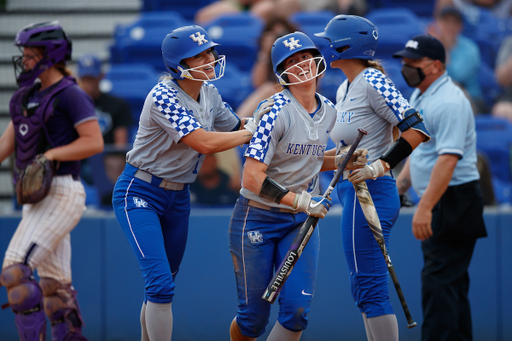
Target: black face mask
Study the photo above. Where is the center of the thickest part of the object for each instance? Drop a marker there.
(413, 75)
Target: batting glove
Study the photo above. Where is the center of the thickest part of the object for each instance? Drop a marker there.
(371, 171)
(358, 159)
(250, 125)
(263, 108)
(317, 206)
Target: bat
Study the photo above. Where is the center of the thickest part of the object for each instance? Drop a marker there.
(305, 232)
(370, 213)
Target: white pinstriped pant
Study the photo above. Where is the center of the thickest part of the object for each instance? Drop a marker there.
(48, 224)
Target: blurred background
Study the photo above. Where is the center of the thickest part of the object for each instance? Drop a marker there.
(116, 44)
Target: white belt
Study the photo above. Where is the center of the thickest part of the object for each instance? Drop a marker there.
(167, 185)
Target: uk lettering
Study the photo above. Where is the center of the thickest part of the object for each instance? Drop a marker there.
(305, 149)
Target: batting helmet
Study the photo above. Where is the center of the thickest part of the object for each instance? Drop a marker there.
(186, 42)
(359, 34)
(288, 45)
(48, 35)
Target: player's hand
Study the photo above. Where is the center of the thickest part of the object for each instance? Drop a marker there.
(250, 125)
(358, 159)
(371, 171)
(263, 108)
(317, 206)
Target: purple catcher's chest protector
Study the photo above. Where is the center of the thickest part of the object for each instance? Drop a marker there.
(29, 125)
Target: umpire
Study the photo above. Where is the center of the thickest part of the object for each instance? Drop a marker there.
(443, 171)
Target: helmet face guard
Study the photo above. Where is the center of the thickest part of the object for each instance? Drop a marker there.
(51, 38)
(186, 42)
(350, 37)
(287, 77)
(286, 46)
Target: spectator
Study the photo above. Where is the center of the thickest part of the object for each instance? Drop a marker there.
(263, 79)
(503, 73)
(113, 113)
(354, 7)
(463, 55)
(212, 186)
(499, 8)
(443, 171)
(260, 8)
(115, 119)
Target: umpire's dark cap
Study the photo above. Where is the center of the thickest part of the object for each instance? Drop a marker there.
(423, 46)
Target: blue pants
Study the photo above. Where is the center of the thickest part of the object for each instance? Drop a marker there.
(258, 241)
(155, 222)
(367, 267)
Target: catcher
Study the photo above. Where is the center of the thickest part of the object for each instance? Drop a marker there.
(53, 126)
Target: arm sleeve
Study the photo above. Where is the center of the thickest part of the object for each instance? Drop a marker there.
(175, 119)
(78, 105)
(450, 123)
(385, 99)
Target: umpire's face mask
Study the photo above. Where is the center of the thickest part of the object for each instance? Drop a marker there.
(413, 75)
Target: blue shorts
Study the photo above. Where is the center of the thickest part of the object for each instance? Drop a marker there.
(155, 222)
(258, 241)
(367, 267)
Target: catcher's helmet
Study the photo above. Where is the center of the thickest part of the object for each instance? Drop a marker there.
(359, 34)
(288, 45)
(48, 35)
(186, 42)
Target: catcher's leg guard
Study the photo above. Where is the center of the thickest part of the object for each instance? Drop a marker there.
(26, 300)
(61, 307)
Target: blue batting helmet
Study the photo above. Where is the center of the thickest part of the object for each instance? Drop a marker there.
(359, 34)
(288, 45)
(186, 42)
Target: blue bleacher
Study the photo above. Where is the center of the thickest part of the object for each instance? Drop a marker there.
(329, 83)
(187, 8)
(494, 140)
(235, 86)
(488, 83)
(422, 8)
(311, 23)
(238, 36)
(141, 41)
(393, 68)
(396, 26)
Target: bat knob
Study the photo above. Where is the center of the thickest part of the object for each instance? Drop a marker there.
(411, 325)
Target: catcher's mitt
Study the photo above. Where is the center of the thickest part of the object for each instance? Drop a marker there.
(34, 181)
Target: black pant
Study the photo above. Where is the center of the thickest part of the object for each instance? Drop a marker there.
(457, 221)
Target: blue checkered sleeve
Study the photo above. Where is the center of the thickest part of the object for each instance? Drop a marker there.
(165, 99)
(260, 142)
(385, 87)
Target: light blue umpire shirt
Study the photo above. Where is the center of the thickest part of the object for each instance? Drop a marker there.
(449, 119)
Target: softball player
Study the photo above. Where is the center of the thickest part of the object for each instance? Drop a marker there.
(280, 187)
(151, 198)
(54, 117)
(368, 99)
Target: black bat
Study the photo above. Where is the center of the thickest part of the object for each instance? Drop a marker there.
(370, 213)
(305, 231)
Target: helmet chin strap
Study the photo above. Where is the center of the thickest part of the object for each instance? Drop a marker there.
(284, 77)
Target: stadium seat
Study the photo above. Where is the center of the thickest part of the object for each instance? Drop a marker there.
(422, 8)
(329, 83)
(313, 22)
(141, 41)
(238, 36)
(490, 87)
(494, 139)
(186, 8)
(396, 26)
(393, 68)
(131, 82)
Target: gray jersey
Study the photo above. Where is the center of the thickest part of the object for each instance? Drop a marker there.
(169, 112)
(292, 144)
(373, 103)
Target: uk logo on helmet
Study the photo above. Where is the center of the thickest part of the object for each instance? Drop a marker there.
(292, 44)
(198, 38)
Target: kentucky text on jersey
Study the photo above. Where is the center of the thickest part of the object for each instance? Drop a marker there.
(344, 116)
(305, 149)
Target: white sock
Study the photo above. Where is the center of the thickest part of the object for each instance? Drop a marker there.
(381, 328)
(159, 321)
(144, 330)
(279, 333)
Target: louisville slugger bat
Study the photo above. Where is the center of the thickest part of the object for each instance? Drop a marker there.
(305, 231)
(370, 213)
